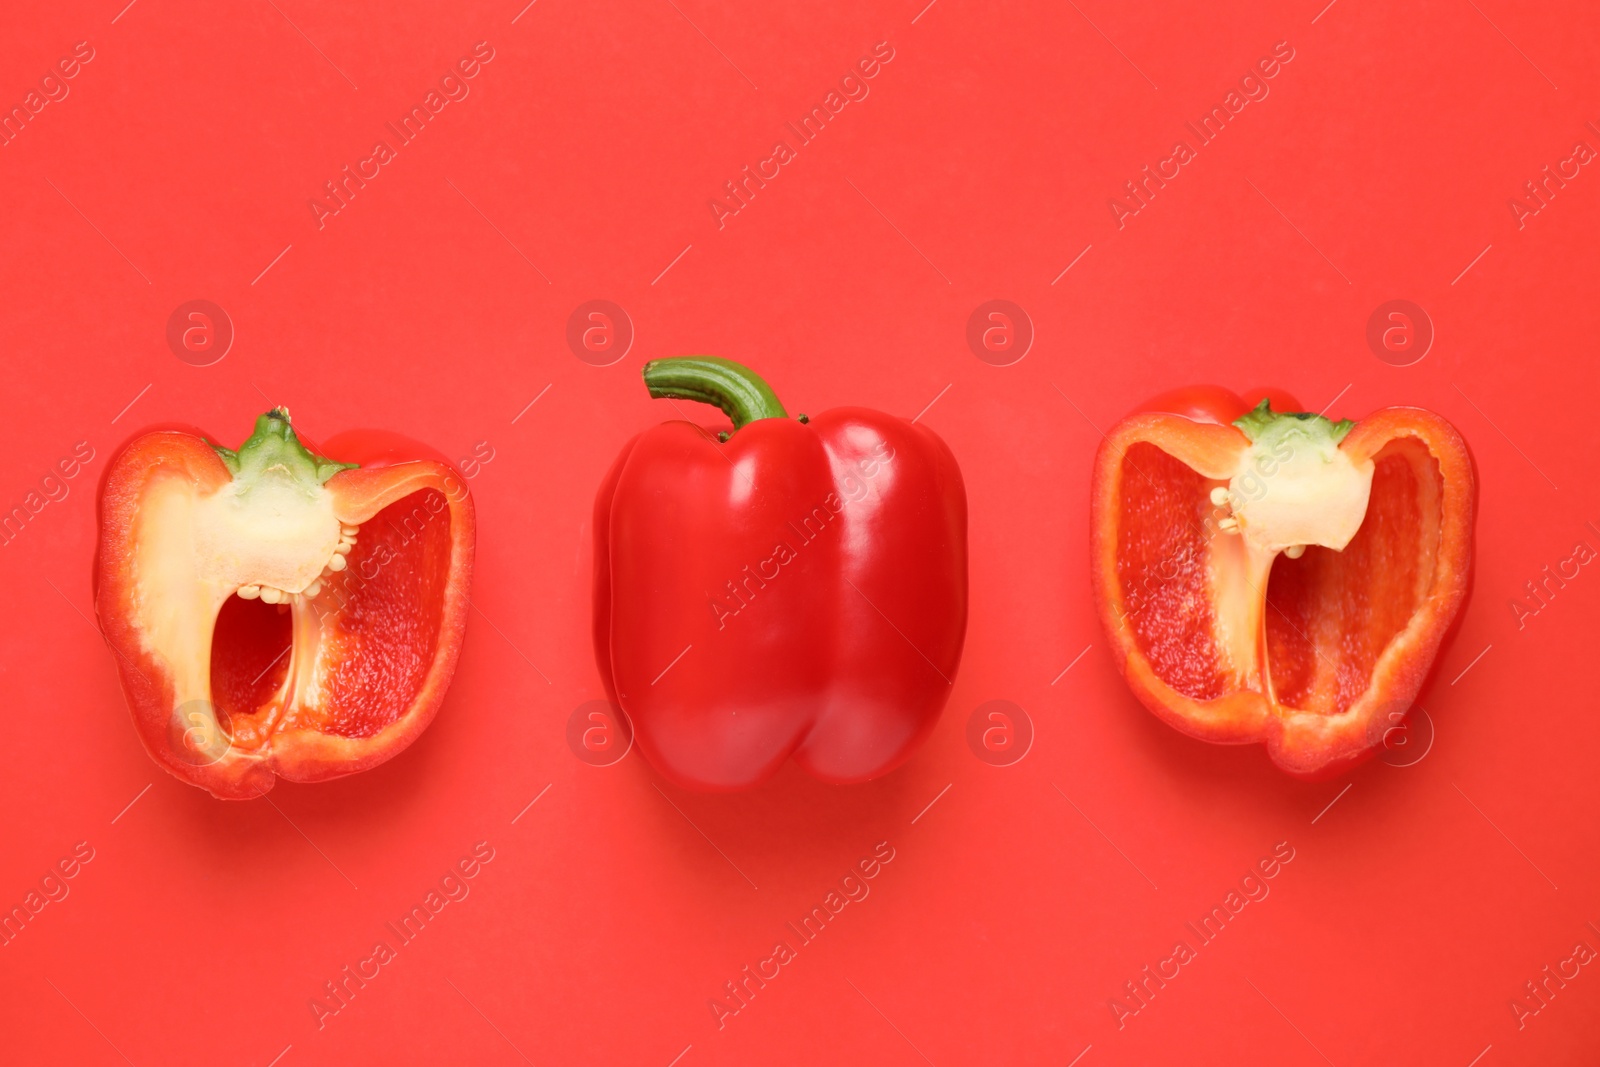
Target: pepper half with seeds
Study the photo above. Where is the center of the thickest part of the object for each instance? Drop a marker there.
(275, 613)
(1278, 577)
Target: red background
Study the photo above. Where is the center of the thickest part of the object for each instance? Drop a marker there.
(980, 166)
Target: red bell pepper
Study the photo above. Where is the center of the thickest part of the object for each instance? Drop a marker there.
(275, 613)
(797, 587)
(1278, 577)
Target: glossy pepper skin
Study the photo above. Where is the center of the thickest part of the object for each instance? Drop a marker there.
(274, 613)
(798, 589)
(1277, 577)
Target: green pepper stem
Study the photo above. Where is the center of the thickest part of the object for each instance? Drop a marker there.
(739, 391)
(1262, 420)
(274, 446)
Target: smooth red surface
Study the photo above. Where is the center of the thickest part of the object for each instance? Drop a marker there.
(1415, 907)
(1214, 403)
(800, 590)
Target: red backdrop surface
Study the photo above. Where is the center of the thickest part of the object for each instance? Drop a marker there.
(1382, 161)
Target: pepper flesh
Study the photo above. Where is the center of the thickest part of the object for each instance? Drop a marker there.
(1309, 626)
(797, 590)
(277, 614)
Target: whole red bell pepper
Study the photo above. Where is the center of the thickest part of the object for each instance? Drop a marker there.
(275, 613)
(1278, 577)
(797, 587)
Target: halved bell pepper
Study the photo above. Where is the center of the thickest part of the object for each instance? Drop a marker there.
(797, 588)
(1278, 577)
(275, 613)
